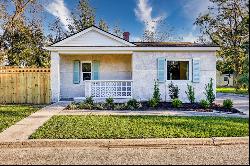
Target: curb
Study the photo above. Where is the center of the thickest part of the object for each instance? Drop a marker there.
(127, 143)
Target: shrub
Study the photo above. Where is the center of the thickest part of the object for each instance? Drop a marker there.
(176, 103)
(156, 94)
(153, 103)
(110, 103)
(133, 104)
(89, 100)
(99, 106)
(228, 103)
(204, 103)
(72, 106)
(84, 105)
(190, 93)
(155, 100)
(120, 107)
(209, 92)
(173, 91)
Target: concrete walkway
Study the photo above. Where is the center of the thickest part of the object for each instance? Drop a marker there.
(241, 102)
(24, 128)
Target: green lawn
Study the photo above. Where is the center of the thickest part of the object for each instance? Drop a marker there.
(231, 90)
(10, 114)
(106, 127)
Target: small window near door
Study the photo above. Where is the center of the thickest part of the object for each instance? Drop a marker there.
(178, 70)
(86, 71)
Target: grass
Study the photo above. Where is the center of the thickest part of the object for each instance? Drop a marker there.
(231, 90)
(10, 114)
(128, 127)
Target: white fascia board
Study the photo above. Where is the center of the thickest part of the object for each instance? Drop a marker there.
(135, 49)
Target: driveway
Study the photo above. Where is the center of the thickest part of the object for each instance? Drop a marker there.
(241, 102)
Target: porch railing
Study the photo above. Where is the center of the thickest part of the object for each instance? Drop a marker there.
(109, 88)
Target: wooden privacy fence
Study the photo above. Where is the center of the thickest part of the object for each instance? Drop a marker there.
(24, 85)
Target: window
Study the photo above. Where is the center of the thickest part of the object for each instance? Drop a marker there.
(86, 71)
(178, 70)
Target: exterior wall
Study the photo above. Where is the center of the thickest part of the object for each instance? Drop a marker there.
(145, 72)
(112, 67)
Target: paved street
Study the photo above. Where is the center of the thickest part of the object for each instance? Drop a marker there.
(179, 154)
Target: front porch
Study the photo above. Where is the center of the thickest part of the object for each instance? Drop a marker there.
(111, 78)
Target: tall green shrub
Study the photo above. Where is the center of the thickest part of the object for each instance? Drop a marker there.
(173, 91)
(155, 100)
(190, 93)
(209, 92)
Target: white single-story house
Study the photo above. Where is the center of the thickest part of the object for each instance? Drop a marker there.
(99, 64)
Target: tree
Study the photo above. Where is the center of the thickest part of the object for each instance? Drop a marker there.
(22, 40)
(117, 31)
(160, 32)
(226, 24)
(103, 25)
(82, 18)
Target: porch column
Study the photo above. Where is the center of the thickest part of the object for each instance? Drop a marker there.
(55, 76)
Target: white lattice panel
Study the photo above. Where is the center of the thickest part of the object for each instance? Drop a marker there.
(114, 89)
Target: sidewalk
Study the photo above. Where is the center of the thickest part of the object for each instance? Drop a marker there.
(24, 128)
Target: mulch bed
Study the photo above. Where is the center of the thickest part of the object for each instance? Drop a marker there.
(186, 107)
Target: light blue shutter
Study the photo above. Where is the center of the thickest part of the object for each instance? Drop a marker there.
(96, 68)
(196, 70)
(161, 74)
(76, 72)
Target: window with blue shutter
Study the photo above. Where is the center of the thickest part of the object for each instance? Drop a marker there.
(76, 72)
(161, 73)
(96, 68)
(196, 70)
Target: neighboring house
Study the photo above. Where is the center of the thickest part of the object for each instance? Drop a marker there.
(223, 79)
(99, 64)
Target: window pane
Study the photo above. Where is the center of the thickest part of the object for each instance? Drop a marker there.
(86, 76)
(178, 70)
(86, 67)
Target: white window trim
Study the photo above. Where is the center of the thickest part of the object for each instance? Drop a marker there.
(189, 69)
(85, 72)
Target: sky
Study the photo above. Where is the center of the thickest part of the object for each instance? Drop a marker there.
(131, 15)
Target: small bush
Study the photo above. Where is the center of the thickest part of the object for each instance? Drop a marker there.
(204, 103)
(190, 93)
(89, 100)
(72, 106)
(209, 92)
(173, 91)
(133, 104)
(84, 105)
(228, 103)
(100, 106)
(120, 107)
(176, 103)
(153, 103)
(110, 103)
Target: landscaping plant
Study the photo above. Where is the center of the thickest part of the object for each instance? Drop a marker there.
(155, 100)
(133, 104)
(209, 92)
(110, 103)
(228, 103)
(89, 100)
(190, 93)
(204, 104)
(176, 103)
(173, 91)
